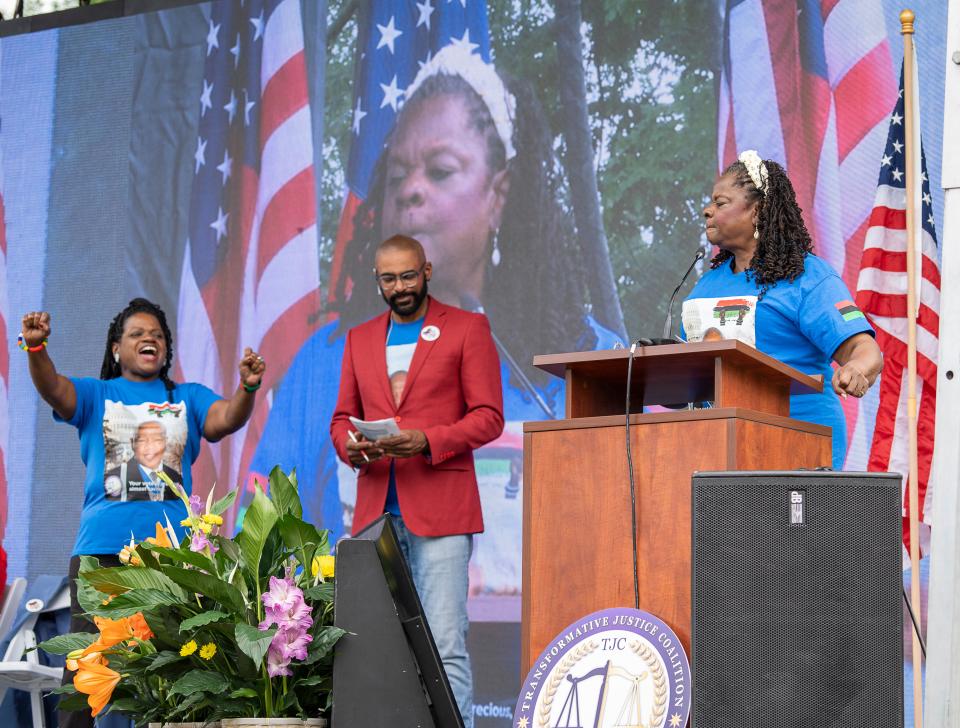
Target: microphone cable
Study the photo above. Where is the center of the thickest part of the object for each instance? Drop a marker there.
(633, 486)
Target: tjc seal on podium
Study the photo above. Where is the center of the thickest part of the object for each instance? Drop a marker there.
(615, 667)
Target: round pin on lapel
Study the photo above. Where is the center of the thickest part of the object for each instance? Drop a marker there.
(430, 333)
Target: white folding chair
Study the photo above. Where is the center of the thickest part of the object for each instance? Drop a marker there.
(20, 668)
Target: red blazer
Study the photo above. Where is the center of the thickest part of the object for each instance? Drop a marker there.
(452, 393)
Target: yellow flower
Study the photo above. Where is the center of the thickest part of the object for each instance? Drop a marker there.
(187, 522)
(189, 648)
(208, 651)
(205, 527)
(324, 565)
(213, 519)
(97, 681)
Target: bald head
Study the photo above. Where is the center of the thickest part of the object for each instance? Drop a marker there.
(403, 244)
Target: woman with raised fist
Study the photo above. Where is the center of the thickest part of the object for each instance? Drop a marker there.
(134, 422)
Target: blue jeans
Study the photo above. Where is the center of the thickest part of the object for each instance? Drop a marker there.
(439, 568)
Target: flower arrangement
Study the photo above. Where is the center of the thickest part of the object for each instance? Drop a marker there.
(210, 627)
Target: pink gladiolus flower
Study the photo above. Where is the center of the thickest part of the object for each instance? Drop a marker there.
(199, 541)
(292, 643)
(277, 664)
(282, 595)
(196, 506)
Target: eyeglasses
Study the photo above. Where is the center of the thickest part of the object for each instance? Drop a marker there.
(405, 280)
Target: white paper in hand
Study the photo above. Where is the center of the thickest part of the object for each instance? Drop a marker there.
(376, 429)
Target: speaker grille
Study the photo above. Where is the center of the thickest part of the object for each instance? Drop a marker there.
(797, 625)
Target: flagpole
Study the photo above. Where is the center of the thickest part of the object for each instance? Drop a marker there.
(909, 106)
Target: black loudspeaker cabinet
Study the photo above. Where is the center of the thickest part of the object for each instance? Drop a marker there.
(797, 614)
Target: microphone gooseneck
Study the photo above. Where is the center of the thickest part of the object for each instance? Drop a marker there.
(469, 303)
(668, 324)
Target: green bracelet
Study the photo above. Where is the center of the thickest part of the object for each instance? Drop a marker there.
(251, 390)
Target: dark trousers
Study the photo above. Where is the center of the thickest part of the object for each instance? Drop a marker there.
(79, 623)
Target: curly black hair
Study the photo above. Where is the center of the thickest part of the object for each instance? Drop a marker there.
(784, 240)
(110, 368)
(535, 298)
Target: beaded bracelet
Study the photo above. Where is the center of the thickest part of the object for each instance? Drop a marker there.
(30, 349)
(251, 390)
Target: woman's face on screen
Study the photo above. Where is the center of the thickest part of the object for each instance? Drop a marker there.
(439, 189)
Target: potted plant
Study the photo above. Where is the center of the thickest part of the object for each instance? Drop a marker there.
(211, 628)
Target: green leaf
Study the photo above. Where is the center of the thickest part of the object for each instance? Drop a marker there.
(120, 579)
(322, 592)
(65, 643)
(77, 701)
(254, 642)
(181, 556)
(300, 536)
(199, 620)
(283, 493)
(167, 657)
(245, 693)
(257, 525)
(197, 681)
(126, 705)
(67, 689)
(313, 680)
(219, 506)
(89, 599)
(207, 585)
(89, 563)
(323, 643)
(136, 600)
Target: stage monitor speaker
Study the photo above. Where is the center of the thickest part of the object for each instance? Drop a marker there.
(797, 613)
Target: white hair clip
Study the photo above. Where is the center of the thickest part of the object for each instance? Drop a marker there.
(454, 60)
(755, 168)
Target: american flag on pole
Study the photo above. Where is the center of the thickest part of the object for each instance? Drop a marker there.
(882, 296)
(395, 39)
(810, 84)
(251, 268)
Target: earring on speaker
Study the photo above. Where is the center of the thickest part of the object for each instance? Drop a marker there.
(495, 254)
(116, 357)
(756, 233)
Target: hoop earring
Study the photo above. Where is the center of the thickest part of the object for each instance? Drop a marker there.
(495, 254)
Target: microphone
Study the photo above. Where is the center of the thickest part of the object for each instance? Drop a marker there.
(668, 324)
(469, 303)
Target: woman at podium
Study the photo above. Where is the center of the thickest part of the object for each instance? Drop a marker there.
(767, 288)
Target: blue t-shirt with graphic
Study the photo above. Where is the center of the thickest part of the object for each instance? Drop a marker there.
(129, 431)
(801, 323)
(401, 344)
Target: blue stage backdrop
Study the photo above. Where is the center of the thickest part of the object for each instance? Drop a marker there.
(232, 161)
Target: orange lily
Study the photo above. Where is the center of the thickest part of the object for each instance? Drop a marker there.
(141, 630)
(77, 656)
(97, 682)
(162, 538)
(115, 631)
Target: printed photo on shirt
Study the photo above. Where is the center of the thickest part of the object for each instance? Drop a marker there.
(716, 319)
(139, 441)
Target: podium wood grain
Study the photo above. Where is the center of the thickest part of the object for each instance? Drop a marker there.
(576, 529)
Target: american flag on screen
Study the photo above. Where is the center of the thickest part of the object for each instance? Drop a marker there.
(250, 272)
(882, 296)
(4, 363)
(810, 84)
(395, 40)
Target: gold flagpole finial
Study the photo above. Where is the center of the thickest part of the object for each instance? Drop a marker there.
(906, 22)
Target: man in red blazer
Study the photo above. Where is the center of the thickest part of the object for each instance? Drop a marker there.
(434, 368)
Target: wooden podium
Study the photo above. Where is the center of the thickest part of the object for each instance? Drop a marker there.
(577, 546)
